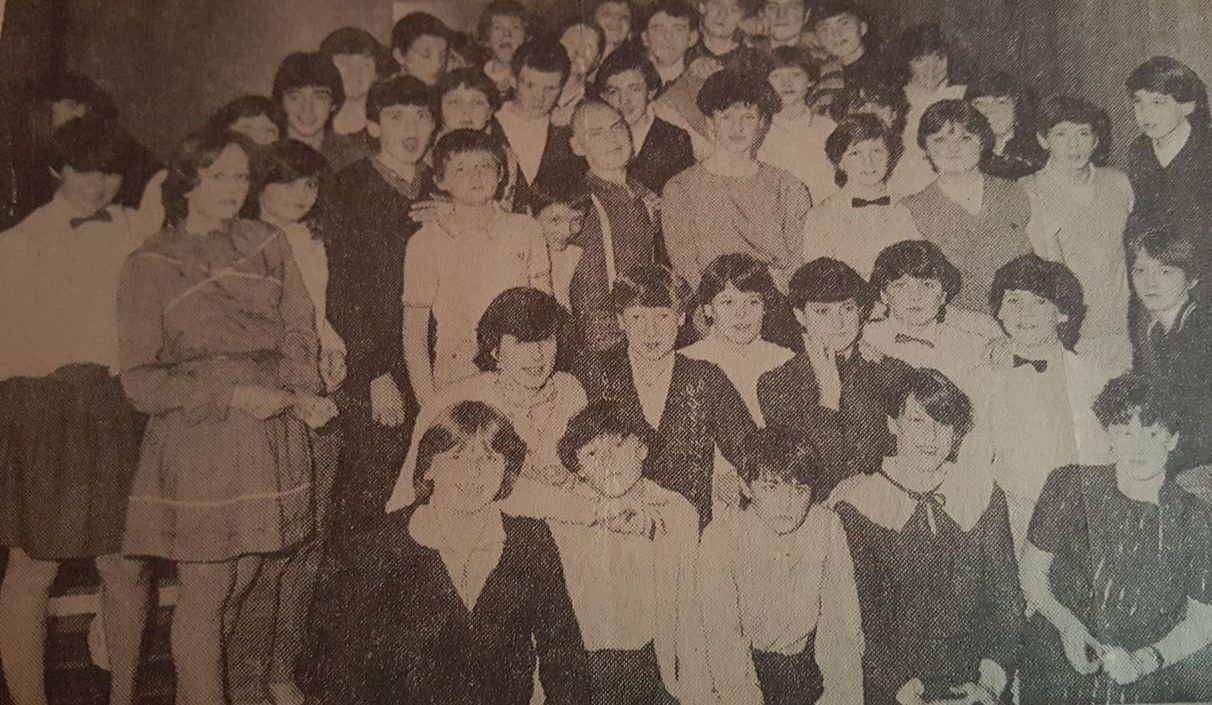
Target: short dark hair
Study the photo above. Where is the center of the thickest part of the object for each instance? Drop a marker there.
(940, 397)
(742, 271)
(284, 162)
(415, 25)
(730, 87)
(91, 144)
(926, 40)
(75, 86)
(542, 54)
(1053, 111)
(1002, 85)
(399, 90)
(827, 280)
(652, 286)
(470, 78)
(248, 106)
(1171, 243)
(599, 418)
(677, 9)
(828, 9)
(574, 194)
(786, 456)
(860, 128)
(460, 424)
(1133, 393)
(622, 60)
(961, 114)
(1169, 76)
(463, 141)
(920, 259)
(851, 100)
(356, 41)
(502, 8)
(1048, 280)
(796, 58)
(527, 314)
(303, 69)
(196, 152)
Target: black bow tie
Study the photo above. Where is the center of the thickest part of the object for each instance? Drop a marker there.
(102, 216)
(902, 338)
(857, 202)
(1039, 365)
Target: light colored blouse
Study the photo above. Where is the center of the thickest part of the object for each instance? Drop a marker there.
(856, 236)
(798, 147)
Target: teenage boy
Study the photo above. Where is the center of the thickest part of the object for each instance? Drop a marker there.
(629, 83)
(784, 22)
(842, 32)
(672, 28)
(504, 26)
(720, 34)
(367, 225)
(620, 233)
(420, 44)
(308, 86)
(838, 391)
(545, 158)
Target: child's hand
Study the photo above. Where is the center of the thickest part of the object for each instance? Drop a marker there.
(332, 367)
(1083, 650)
(313, 410)
(704, 67)
(911, 693)
(1123, 667)
(824, 365)
(386, 404)
(430, 211)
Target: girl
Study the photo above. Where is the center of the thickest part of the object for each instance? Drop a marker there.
(934, 563)
(795, 141)
(930, 69)
(218, 347)
(467, 100)
(1079, 210)
(449, 600)
(504, 26)
(730, 202)
(615, 17)
(1126, 532)
(980, 221)
(1008, 108)
(856, 224)
(360, 60)
(256, 117)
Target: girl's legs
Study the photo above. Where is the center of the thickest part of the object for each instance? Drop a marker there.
(294, 598)
(23, 604)
(124, 606)
(197, 631)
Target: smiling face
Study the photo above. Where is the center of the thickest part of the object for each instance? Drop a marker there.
(583, 46)
(954, 150)
(222, 186)
(736, 315)
(357, 74)
(1070, 145)
(1161, 287)
(784, 19)
(865, 163)
(425, 59)
(505, 34)
(527, 364)
(615, 20)
(780, 503)
(1158, 114)
(258, 128)
(914, 301)
(403, 132)
(841, 36)
(1141, 451)
(929, 70)
(602, 136)
(561, 223)
(537, 91)
(290, 202)
(791, 83)
(835, 325)
(1029, 319)
(668, 38)
(721, 18)
(467, 477)
(627, 92)
(651, 331)
(465, 108)
(88, 191)
(920, 440)
(738, 129)
(612, 464)
(471, 178)
(308, 109)
(999, 111)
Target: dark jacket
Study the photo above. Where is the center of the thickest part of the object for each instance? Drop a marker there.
(666, 152)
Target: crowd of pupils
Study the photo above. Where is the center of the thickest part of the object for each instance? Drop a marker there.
(710, 356)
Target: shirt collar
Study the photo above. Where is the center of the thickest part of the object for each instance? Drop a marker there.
(965, 489)
(639, 131)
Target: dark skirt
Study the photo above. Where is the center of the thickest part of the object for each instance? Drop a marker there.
(69, 446)
(626, 677)
(789, 680)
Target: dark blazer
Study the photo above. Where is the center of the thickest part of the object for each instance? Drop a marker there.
(1182, 190)
(855, 438)
(666, 152)
(702, 410)
(559, 166)
(389, 627)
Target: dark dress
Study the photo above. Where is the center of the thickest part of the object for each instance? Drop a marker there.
(366, 226)
(702, 410)
(1126, 569)
(389, 627)
(934, 603)
(1182, 190)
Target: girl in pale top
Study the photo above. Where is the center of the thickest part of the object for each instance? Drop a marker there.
(795, 141)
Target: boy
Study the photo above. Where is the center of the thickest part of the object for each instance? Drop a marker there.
(420, 44)
(620, 233)
(367, 226)
(561, 215)
(631, 592)
(671, 29)
(457, 264)
(503, 28)
(779, 602)
(690, 403)
(615, 18)
(540, 68)
(73, 438)
(838, 391)
(720, 38)
(785, 21)
(842, 33)
(309, 89)
(629, 83)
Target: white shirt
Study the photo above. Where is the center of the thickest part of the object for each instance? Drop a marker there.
(938, 346)
(639, 131)
(652, 380)
(798, 147)
(855, 236)
(742, 364)
(312, 261)
(526, 135)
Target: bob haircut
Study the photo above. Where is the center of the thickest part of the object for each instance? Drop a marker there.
(527, 314)
(1173, 246)
(355, 41)
(464, 141)
(502, 8)
(1059, 109)
(459, 426)
(544, 55)
(399, 91)
(920, 259)
(928, 40)
(75, 86)
(651, 286)
(961, 114)
(309, 69)
(828, 9)
(854, 99)
(943, 401)
(1048, 280)
(830, 281)
(284, 162)
(196, 153)
(248, 106)
(600, 418)
(415, 25)
(785, 456)
(860, 128)
(575, 195)
(795, 58)
(92, 144)
(1133, 395)
(677, 9)
(1169, 76)
(739, 270)
(470, 79)
(730, 87)
(622, 60)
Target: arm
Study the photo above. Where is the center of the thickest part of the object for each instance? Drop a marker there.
(1189, 636)
(1003, 599)
(729, 662)
(1037, 565)
(420, 291)
(563, 665)
(539, 274)
(839, 635)
(679, 641)
(731, 422)
(796, 202)
(677, 226)
(298, 370)
(416, 352)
